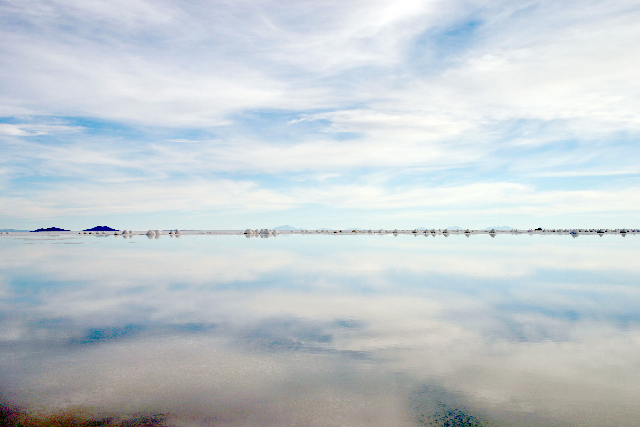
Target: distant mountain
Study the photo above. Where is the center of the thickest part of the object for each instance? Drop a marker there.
(503, 227)
(100, 228)
(11, 230)
(286, 228)
(455, 227)
(49, 229)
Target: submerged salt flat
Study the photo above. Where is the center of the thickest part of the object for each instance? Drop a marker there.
(318, 331)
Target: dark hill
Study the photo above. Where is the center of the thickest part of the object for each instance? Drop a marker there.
(49, 229)
(100, 228)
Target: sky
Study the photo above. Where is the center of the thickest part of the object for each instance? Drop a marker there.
(373, 114)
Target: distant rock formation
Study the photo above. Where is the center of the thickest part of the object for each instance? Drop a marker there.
(100, 228)
(48, 229)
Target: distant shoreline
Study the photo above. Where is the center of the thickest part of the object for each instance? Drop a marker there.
(273, 232)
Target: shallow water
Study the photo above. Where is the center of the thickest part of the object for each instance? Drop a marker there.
(312, 330)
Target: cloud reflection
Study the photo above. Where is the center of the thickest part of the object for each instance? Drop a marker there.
(293, 330)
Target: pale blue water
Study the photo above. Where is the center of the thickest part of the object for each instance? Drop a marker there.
(363, 330)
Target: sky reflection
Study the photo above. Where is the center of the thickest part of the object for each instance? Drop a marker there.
(324, 330)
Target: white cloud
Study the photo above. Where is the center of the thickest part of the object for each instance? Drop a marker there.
(34, 129)
(163, 193)
(187, 65)
(158, 196)
(576, 61)
(12, 130)
(473, 198)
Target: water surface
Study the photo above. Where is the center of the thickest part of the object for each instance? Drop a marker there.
(312, 330)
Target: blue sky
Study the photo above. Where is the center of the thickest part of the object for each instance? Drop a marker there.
(164, 114)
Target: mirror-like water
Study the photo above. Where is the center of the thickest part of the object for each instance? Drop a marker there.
(364, 330)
